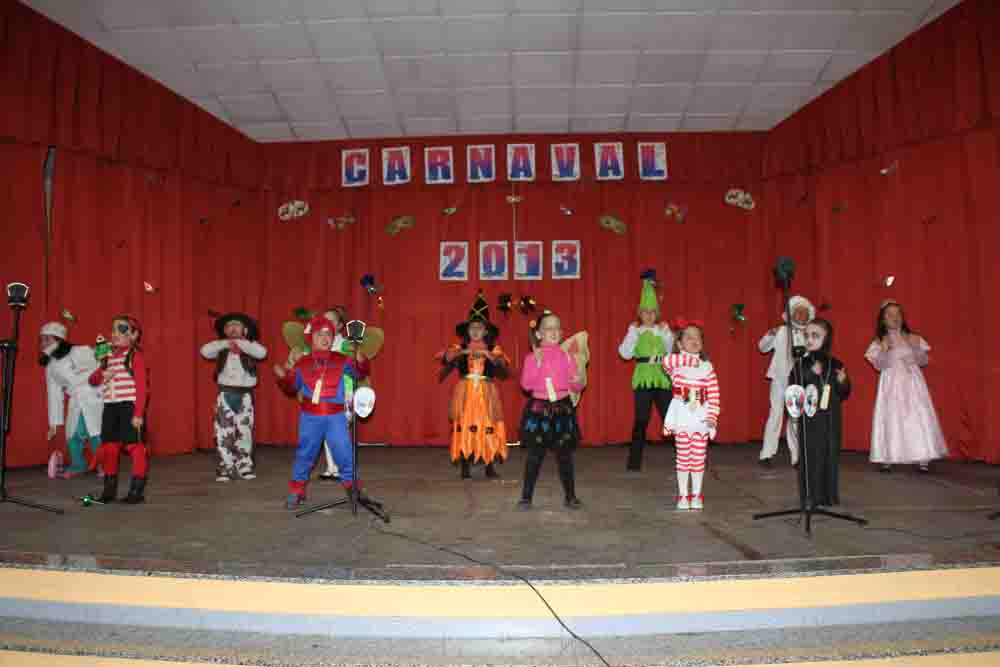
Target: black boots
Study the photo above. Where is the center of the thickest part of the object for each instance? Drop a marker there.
(635, 456)
(491, 471)
(568, 479)
(466, 473)
(110, 492)
(135, 491)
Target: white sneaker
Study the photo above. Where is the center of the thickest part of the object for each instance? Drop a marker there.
(248, 475)
(222, 478)
(683, 502)
(698, 502)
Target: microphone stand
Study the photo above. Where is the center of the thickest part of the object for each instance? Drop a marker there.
(8, 349)
(373, 506)
(806, 507)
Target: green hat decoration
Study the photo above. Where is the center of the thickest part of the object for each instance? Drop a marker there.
(649, 300)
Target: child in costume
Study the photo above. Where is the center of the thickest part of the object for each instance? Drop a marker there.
(236, 353)
(554, 377)
(325, 380)
(694, 413)
(123, 379)
(775, 341)
(905, 427)
(647, 343)
(826, 385)
(476, 412)
(67, 371)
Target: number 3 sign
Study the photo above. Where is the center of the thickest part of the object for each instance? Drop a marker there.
(566, 260)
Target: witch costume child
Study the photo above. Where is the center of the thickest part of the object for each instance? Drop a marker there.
(826, 385)
(478, 434)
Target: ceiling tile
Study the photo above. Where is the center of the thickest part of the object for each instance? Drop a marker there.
(813, 31)
(607, 67)
(541, 123)
(320, 10)
(843, 64)
(790, 66)
(475, 33)
(918, 6)
(758, 122)
(485, 124)
(402, 7)
(719, 98)
(365, 104)
(484, 101)
(232, 79)
(308, 107)
(676, 31)
(424, 72)
(80, 17)
(614, 5)
(265, 11)
(609, 123)
(744, 31)
(212, 106)
(301, 75)
(708, 122)
(547, 100)
(183, 80)
(661, 99)
(543, 6)
(156, 46)
(426, 102)
(601, 100)
(877, 31)
(687, 5)
(652, 123)
(363, 128)
(470, 7)
(798, 5)
(266, 132)
(777, 97)
(116, 14)
(409, 36)
(347, 38)
(618, 31)
(257, 108)
(198, 12)
(542, 32)
(732, 66)
(214, 44)
(357, 74)
(277, 41)
(481, 68)
(429, 127)
(536, 68)
(666, 67)
(319, 131)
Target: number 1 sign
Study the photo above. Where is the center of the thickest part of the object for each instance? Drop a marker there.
(453, 263)
(527, 260)
(565, 260)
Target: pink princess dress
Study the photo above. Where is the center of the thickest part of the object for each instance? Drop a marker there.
(905, 427)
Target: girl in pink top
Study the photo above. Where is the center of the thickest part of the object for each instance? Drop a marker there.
(549, 374)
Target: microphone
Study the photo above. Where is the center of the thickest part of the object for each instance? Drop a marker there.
(784, 269)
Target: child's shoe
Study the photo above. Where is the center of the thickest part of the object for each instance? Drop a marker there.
(683, 502)
(293, 501)
(698, 502)
(136, 491)
(573, 503)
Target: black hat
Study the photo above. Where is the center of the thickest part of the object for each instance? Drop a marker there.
(246, 320)
(480, 312)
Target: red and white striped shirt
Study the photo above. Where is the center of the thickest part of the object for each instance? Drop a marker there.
(695, 379)
(119, 384)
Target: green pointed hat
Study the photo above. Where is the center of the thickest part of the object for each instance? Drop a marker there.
(648, 299)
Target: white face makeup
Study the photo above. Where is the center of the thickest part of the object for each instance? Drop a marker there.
(647, 317)
(893, 318)
(691, 340)
(801, 314)
(234, 329)
(477, 331)
(815, 335)
(550, 331)
(322, 339)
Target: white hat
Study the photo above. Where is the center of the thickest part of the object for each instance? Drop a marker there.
(799, 301)
(56, 329)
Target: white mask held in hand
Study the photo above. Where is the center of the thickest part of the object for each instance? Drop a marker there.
(364, 401)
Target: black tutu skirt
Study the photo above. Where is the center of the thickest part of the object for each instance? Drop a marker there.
(550, 425)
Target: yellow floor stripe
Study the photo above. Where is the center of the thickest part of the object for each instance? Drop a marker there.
(496, 601)
(18, 659)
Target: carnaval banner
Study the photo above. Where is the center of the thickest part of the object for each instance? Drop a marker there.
(454, 260)
(608, 160)
(565, 162)
(520, 162)
(652, 161)
(354, 167)
(439, 165)
(396, 165)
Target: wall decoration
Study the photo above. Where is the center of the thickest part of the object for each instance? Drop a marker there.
(566, 260)
(453, 260)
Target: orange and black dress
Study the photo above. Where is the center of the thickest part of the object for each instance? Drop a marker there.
(478, 433)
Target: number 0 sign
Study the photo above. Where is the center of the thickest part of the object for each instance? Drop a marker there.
(566, 260)
(493, 260)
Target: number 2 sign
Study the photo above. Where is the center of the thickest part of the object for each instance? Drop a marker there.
(453, 263)
(566, 260)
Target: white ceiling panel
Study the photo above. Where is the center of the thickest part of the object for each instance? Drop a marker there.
(484, 101)
(312, 69)
(607, 67)
(429, 127)
(258, 108)
(347, 38)
(733, 66)
(537, 68)
(653, 123)
(308, 107)
(543, 100)
(543, 32)
(267, 132)
(294, 75)
(661, 99)
(319, 131)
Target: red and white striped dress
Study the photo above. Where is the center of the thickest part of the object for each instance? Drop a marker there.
(123, 385)
(696, 395)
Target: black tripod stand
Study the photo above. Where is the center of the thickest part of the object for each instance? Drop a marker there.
(354, 334)
(784, 271)
(17, 299)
